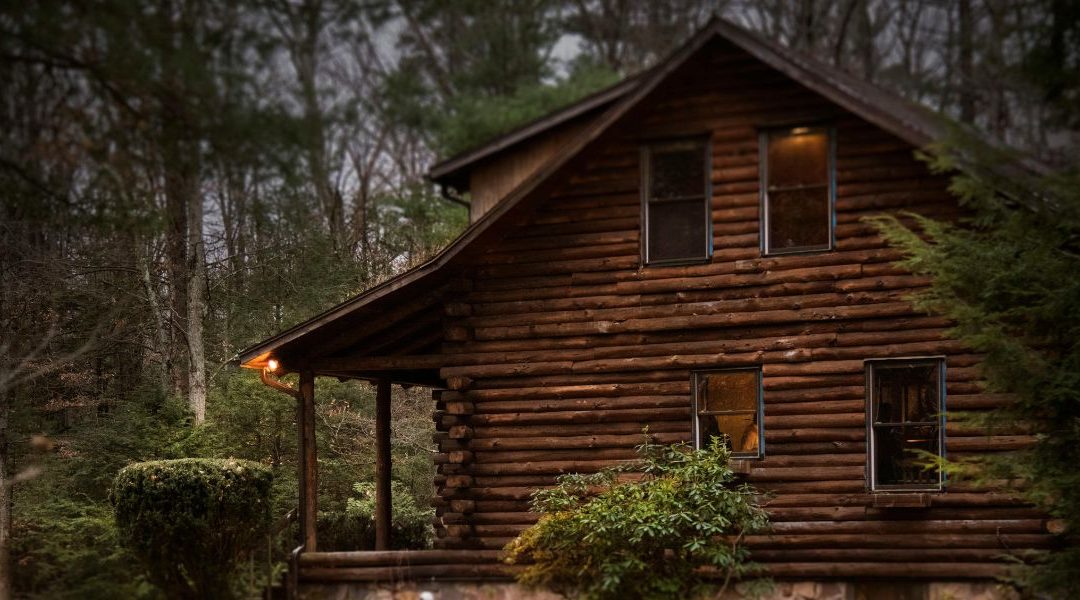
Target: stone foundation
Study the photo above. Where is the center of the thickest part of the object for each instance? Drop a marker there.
(784, 590)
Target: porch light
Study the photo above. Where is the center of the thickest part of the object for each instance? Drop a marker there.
(800, 130)
(272, 365)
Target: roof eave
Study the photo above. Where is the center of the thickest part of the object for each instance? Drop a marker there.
(453, 171)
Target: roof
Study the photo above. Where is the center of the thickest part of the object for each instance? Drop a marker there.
(454, 171)
(909, 122)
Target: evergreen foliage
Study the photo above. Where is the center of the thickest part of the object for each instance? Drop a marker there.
(189, 521)
(68, 549)
(472, 120)
(603, 537)
(1010, 280)
(490, 69)
(354, 528)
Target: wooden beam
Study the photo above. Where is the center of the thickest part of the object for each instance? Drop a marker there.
(398, 557)
(380, 322)
(422, 344)
(380, 363)
(416, 325)
(309, 475)
(382, 465)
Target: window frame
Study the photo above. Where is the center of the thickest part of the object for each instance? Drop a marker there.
(764, 135)
(871, 439)
(695, 423)
(646, 151)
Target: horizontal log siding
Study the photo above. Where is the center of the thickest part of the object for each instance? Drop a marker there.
(569, 348)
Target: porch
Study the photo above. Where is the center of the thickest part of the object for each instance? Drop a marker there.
(396, 566)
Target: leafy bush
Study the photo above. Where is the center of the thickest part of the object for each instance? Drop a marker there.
(354, 529)
(654, 538)
(190, 520)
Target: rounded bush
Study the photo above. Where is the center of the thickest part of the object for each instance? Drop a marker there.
(190, 520)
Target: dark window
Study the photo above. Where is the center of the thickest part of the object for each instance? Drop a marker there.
(727, 405)
(906, 422)
(675, 202)
(797, 190)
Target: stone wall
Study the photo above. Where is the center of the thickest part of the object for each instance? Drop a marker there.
(805, 590)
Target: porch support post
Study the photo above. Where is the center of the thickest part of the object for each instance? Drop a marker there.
(309, 472)
(382, 465)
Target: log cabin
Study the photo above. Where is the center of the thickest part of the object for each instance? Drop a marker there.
(685, 251)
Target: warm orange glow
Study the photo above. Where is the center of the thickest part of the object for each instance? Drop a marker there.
(272, 365)
(800, 130)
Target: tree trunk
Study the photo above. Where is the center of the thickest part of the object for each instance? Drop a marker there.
(176, 258)
(161, 334)
(841, 35)
(967, 62)
(806, 26)
(305, 61)
(5, 502)
(867, 39)
(196, 308)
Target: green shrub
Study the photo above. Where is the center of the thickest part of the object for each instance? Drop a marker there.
(189, 521)
(354, 529)
(67, 549)
(653, 538)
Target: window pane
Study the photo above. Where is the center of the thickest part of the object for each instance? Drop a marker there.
(897, 459)
(678, 230)
(739, 431)
(678, 172)
(906, 393)
(797, 160)
(799, 218)
(906, 411)
(730, 390)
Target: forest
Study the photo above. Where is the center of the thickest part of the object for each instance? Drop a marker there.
(180, 179)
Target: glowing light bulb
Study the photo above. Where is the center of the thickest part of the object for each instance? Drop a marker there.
(800, 130)
(272, 364)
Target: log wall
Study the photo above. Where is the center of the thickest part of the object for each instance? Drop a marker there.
(495, 177)
(566, 347)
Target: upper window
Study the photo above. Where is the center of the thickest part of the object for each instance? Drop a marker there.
(797, 190)
(675, 202)
(906, 422)
(727, 405)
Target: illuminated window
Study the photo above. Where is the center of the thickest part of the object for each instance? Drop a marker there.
(797, 190)
(675, 202)
(727, 405)
(906, 422)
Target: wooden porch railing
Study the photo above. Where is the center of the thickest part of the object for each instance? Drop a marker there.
(402, 565)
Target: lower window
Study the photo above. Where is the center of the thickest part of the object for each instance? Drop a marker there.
(727, 405)
(905, 422)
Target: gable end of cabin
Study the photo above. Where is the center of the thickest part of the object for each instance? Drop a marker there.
(709, 271)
